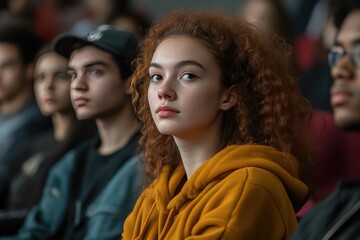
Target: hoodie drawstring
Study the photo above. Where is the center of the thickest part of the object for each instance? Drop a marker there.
(167, 223)
(143, 228)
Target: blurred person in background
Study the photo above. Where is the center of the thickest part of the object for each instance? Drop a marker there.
(18, 11)
(52, 91)
(91, 190)
(311, 49)
(335, 151)
(337, 217)
(329, 144)
(133, 21)
(99, 12)
(22, 126)
(271, 15)
(53, 17)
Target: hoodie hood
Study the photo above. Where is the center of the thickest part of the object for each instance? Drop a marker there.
(232, 158)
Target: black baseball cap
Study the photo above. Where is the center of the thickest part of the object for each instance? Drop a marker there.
(119, 42)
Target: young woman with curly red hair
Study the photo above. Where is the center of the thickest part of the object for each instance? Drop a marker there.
(223, 132)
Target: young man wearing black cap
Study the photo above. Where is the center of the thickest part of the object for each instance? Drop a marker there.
(90, 191)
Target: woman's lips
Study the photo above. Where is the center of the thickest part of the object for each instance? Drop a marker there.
(49, 100)
(165, 111)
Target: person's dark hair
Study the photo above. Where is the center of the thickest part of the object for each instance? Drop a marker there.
(341, 8)
(118, 8)
(142, 22)
(24, 38)
(125, 65)
(284, 22)
(271, 110)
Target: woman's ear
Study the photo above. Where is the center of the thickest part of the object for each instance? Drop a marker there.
(229, 98)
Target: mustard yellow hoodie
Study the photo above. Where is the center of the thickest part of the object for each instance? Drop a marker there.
(243, 192)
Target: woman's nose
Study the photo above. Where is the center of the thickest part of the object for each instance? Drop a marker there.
(166, 91)
(49, 83)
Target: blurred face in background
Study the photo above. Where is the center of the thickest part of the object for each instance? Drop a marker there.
(100, 10)
(344, 58)
(18, 6)
(52, 84)
(12, 73)
(260, 13)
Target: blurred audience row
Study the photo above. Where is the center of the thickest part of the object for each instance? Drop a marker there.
(48, 18)
(39, 126)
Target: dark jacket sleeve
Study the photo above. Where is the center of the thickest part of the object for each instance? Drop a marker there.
(337, 217)
(45, 219)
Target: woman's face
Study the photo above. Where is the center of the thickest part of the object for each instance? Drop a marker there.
(185, 94)
(52, 84)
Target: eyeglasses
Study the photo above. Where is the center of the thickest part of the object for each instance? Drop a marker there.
(337, 52)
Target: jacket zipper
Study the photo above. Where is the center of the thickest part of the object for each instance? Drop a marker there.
(77, 217)
(342, 221)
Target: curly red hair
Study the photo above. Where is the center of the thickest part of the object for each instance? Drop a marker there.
(270, 109)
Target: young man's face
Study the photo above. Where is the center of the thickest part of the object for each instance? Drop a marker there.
(345, 92)
(12, 75)
(97, 90)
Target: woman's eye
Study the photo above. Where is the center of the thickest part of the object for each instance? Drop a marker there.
(188, 76)
(39, 78)
(155, 77)
(62, 76)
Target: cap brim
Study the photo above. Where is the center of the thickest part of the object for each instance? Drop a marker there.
(64, 44)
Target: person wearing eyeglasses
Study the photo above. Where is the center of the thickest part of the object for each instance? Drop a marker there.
(338, 216)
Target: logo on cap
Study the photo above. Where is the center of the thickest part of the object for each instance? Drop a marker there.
(97, 33)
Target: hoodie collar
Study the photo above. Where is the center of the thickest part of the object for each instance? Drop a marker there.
(228, 160)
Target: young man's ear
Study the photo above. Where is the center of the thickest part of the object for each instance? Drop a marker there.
(229, 98)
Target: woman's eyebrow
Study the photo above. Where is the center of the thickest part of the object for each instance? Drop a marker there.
(179, 64)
